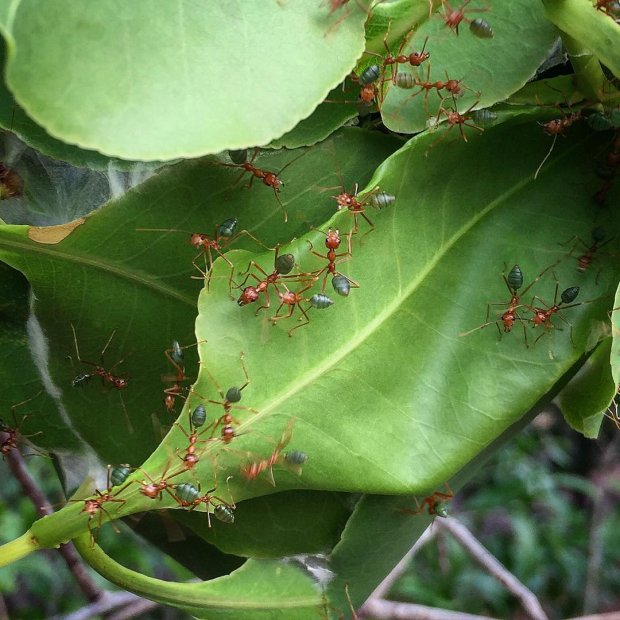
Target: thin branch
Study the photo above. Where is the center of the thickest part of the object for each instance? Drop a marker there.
(43, 507)
(382, 590)
(613, 615)
(133, 610)
(479, 553)
(107, 603)
(389, 610)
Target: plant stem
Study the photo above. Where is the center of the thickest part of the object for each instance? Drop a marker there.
(18, 548)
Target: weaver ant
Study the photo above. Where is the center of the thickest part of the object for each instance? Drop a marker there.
(452, 87)
(453, 118)
(293, 300)
(556, 127)
(94, 506)
(588, 257)
(228, 402)
(295, 458)
(350, 202)
(188, 496)
(175, 356)
(414, 59)
(513, 282)
(13, 433)
(270, 179)
(542, 316)
(118, 383)
(10, 183)
(106, 375)
(223, 236)
(197, 418)
(283, 265)
(155, 490)
(436, 503)
(453, 17)
(332, 243)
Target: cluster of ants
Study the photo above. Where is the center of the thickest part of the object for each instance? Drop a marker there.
(282, 276)
(542, 316)
(199, 436)
(373, 78)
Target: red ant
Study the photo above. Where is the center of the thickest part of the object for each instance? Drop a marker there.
(542, 316)
(188, 496)
(106, 375)
(293, 300)
(118, 383)
(228, 402)
(332, 243)
(283, 265)
(513, 282)
(94, 506)
(155, 490)
(175, 356)
(13, 433)
(415, 59)
(10, 183)
(556, 127)
(270, 179)
(350, 202)
(453, 17)
(223, 236)
(587, 258)
(451, 86)
(251, 471)
(436, 503)
(453, 118)
(197, 419)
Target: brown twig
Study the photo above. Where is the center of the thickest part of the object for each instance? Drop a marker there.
(478, 552)
(389, 610)
(107, 603)
(43, 507)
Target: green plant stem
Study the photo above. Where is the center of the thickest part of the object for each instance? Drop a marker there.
(194, 596)
(18, 548)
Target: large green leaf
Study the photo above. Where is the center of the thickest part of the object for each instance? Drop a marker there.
(14, 119)
(142, 84)
(364, 426)
(490, 69)
(118, 264)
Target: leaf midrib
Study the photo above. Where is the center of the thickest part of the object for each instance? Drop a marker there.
(99, 265)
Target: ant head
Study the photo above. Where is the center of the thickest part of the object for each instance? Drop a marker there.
(119, 383)
(198, 240)
(332, 239)
(343, 200)
(249, 295)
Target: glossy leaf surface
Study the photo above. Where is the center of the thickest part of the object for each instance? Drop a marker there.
(113, 91)
(481, 64)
